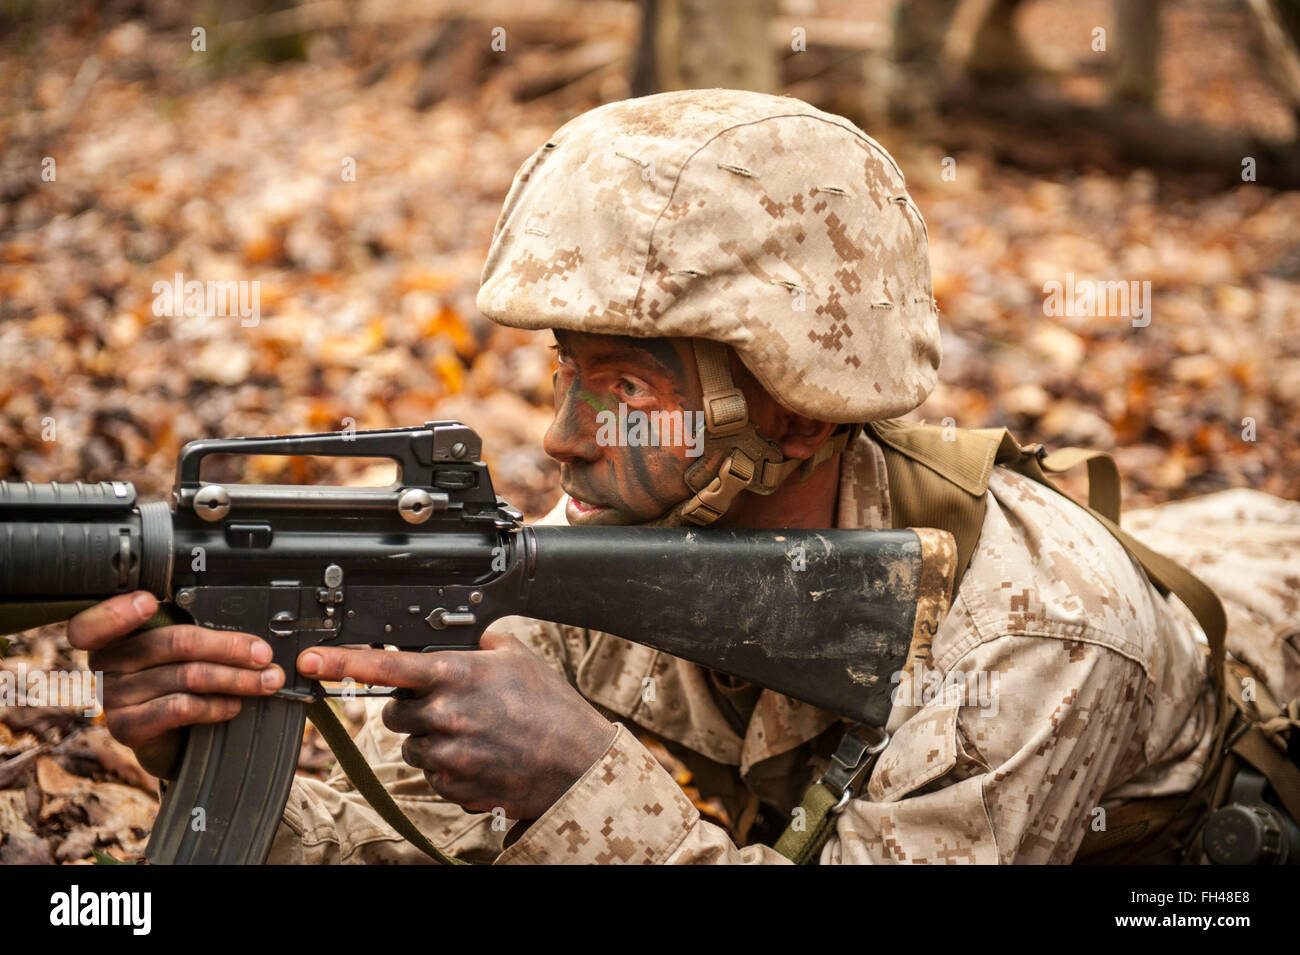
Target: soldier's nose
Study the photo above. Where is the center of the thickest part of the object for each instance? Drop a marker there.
(569, 439)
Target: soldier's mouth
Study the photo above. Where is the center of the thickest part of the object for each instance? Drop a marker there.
(579, 511)
(583, 508)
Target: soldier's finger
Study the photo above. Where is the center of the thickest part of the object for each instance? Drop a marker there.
(193, 677)
(444, 755)
(422, 716)
(179, 644)
(413, 671)
(139, 725)
(110, 620)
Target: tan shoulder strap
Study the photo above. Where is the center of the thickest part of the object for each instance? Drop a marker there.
(937, 478)
(1104, 505)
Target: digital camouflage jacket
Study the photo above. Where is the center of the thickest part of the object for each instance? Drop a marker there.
(1059, 685)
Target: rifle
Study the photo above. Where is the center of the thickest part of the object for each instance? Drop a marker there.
(428, 563)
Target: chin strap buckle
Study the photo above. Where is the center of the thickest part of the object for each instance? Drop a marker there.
(725, 412)
(752, 462)
(713, 501)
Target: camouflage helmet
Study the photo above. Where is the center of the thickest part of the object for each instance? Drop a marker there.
(737, 218)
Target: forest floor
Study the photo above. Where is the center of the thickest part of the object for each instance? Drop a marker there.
(170, 161)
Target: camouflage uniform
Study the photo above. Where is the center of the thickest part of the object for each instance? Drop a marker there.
(1058, 683)
(1247, 546)
(1100, 697)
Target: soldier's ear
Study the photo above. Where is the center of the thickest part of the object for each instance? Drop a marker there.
(803, 436)
(798, 436)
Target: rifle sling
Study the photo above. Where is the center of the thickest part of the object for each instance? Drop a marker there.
(803, 846)
(368, 784)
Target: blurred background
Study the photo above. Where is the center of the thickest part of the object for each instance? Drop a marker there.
(351, 158)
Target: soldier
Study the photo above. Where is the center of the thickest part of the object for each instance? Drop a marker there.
(759, 259)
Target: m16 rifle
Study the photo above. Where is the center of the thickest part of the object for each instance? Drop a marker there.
(428, 563)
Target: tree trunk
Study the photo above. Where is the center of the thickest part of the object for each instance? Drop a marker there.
(702, 44)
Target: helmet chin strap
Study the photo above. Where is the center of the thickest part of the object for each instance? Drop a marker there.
(748, 461)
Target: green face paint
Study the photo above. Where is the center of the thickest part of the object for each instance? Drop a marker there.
(610, 481)
(593, 400)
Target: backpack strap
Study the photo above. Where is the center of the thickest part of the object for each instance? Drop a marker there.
(938, 478)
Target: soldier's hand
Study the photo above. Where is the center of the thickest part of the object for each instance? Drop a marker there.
(157, 681)
(493, 727)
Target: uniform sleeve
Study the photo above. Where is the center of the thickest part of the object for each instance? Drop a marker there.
(627, 809)
(1008, 762)
(1003, 764)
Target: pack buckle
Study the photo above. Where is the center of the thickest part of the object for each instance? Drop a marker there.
(852, 761)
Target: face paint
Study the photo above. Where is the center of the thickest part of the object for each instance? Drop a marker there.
(592, 400)
(604, 378)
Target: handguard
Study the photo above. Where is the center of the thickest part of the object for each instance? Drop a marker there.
(428, 563)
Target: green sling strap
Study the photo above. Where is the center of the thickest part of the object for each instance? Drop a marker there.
(803, 845)
(19, 615)
(367, 783)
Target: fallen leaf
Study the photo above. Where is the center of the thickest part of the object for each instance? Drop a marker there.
(97, 745)
(19, 845)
